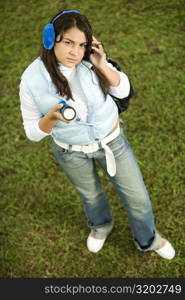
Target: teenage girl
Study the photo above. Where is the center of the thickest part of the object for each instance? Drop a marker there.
(73, 68)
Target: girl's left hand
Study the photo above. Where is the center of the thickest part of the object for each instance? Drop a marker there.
(98, 57)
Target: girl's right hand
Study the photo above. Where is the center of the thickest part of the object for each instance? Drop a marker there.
(54, 114)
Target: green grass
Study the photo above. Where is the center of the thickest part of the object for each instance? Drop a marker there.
(43, 228)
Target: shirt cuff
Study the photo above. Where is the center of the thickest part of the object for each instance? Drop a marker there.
(123, 89)
(33, 131)
(40, 132)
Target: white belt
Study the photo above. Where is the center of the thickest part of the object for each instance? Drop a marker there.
(110, 160)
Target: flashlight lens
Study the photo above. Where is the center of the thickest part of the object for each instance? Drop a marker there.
(69, 113)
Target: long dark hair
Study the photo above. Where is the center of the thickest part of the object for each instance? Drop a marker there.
(63, 23)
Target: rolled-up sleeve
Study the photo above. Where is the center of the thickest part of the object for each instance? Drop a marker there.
(123, 89)
(31, 115)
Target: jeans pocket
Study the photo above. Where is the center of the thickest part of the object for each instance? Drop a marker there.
(61, 154)
(67, 159)
(119, 145)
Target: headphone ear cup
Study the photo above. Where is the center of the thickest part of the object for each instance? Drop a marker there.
(48, 36)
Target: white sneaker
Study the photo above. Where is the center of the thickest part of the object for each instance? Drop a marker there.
(95, 244)
(167, 251)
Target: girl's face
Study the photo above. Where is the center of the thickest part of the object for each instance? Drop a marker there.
(70, 51)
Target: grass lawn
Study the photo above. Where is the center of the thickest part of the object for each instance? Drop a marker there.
(43, 227)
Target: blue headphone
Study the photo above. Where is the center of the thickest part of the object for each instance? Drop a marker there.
(49, 31)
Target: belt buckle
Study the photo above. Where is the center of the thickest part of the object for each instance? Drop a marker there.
(94, 147)
(85, 149)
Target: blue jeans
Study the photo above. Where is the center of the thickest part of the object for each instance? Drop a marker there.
(81, 170)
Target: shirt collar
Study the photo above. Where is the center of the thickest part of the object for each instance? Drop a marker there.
(87, 64)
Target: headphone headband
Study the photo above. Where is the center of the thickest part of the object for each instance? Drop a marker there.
(49, 31)
(64, 12)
